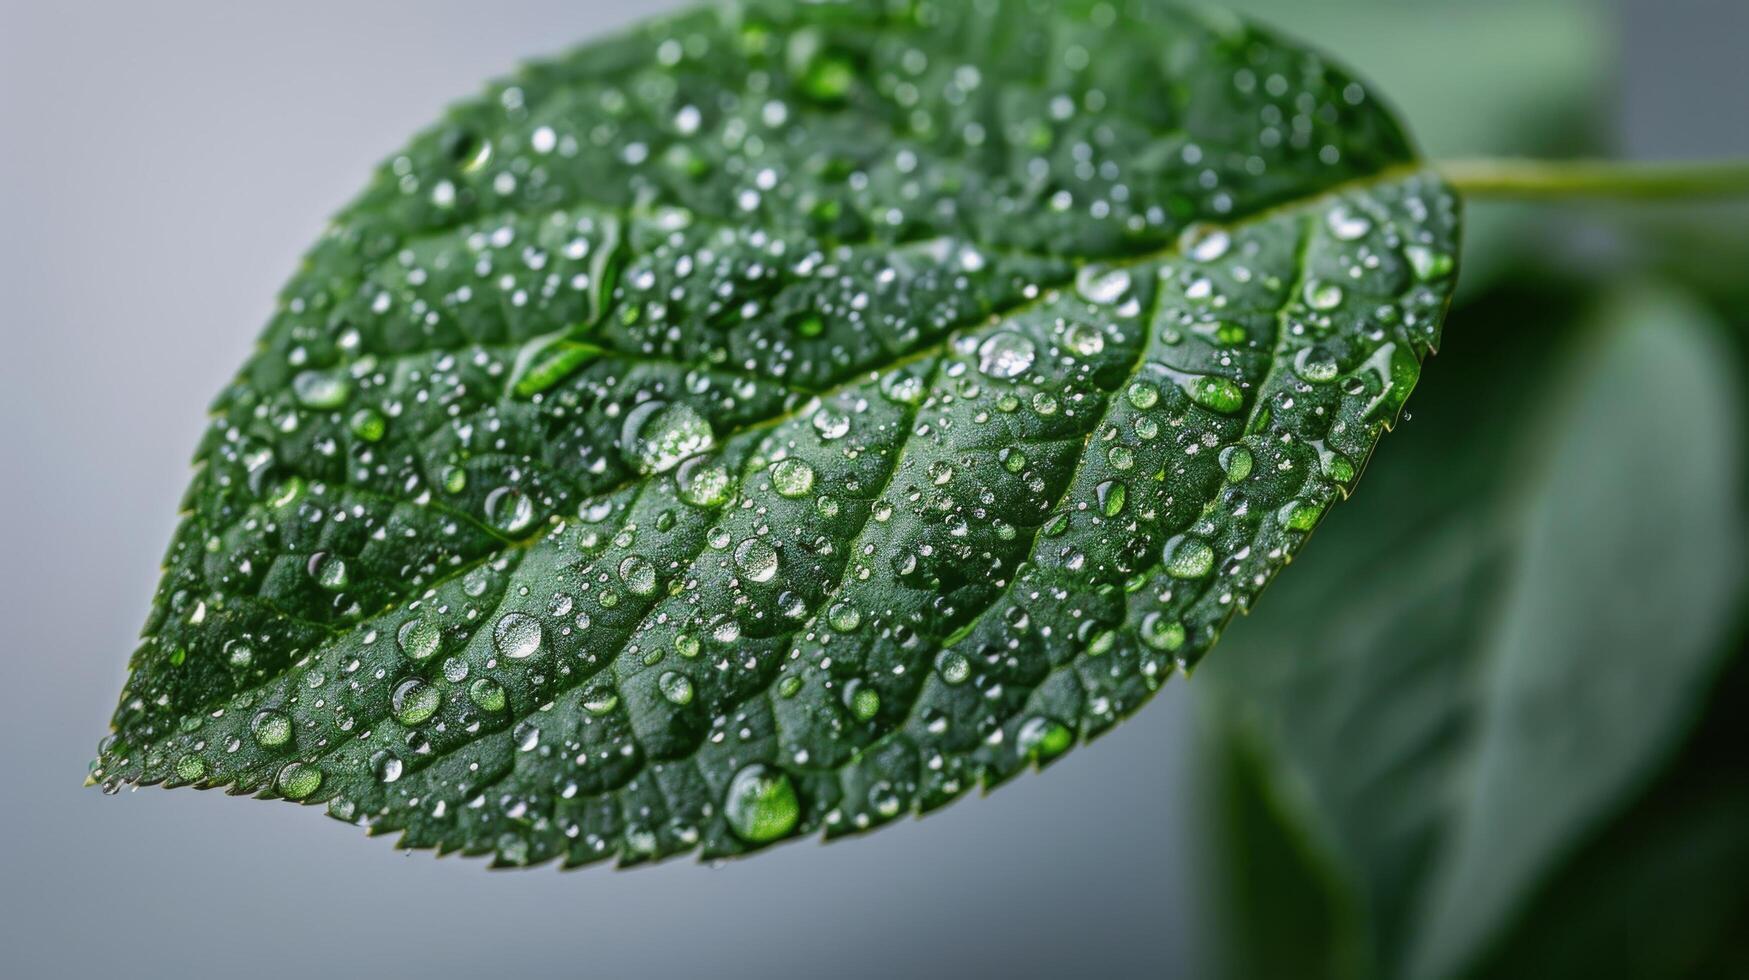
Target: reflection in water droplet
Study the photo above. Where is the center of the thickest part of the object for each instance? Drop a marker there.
(757, 559)
(414, 701)
(705, 482)
(676, 687)
(1041, 739)
(419, 639)
(658, 435)
(638, 574)
(1102, 286)
(1006, 354)
(761, 804)
(517, 635)
(1321, 295)
(792, 478)
(509, 510)
(1188, 557)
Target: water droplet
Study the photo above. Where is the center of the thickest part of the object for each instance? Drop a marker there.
(1143, 395)
(387, 766)
(1316, 364)
(757, 559)
(1188, 557)
(1236, 462)
(321, 389)
(509, 510)
(761, 804)
(676, 687)
(844, 617)
(1162, 633)
(953, 667)
(1204, 243)
(517, 635)
(414, 701)
(704, 482)
(368, 424)
(190, 768)
(1427, 263)
(830, 425)
(658, 435)
(487, 693)
(1102, 286)
(1321, 295)
(271, 729)
(297, 780)
(1006, 354)
(1041, 739)
(329, 571)
(1346, 224)
(1084, 339)
(419, 639)
(1112, 496)
(792, 478)
(1217, 394)
(863, 701)
(600, 701)
(638, 574)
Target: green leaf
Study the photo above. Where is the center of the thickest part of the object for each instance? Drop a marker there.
(1513, 633)
(784, 418)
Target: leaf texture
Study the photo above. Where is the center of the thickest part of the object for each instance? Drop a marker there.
(782, 418)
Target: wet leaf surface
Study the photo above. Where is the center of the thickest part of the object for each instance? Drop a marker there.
(784, 419)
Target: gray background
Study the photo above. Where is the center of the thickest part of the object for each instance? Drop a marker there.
(161, 168)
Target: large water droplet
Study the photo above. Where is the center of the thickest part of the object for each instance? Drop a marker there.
(271, 729)
(792, 477)
(509, 510)
(1102, 286)
(757, 559)
(414, 701)
(1188, 557)
(321, 389)
(1006, 354)
(419, 639)
(658, 435)
(517, 635)
(705, 482)
(675, 687)
(1041, 739)
(761, 804)
(638, 574)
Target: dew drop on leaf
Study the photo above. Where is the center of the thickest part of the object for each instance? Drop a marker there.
(761, 804)
(517, 635)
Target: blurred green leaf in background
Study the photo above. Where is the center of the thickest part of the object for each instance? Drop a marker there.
(1509, 743)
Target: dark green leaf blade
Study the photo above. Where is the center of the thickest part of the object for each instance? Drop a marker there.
(785, 418)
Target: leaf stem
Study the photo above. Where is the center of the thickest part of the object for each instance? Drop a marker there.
(1597, 178)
